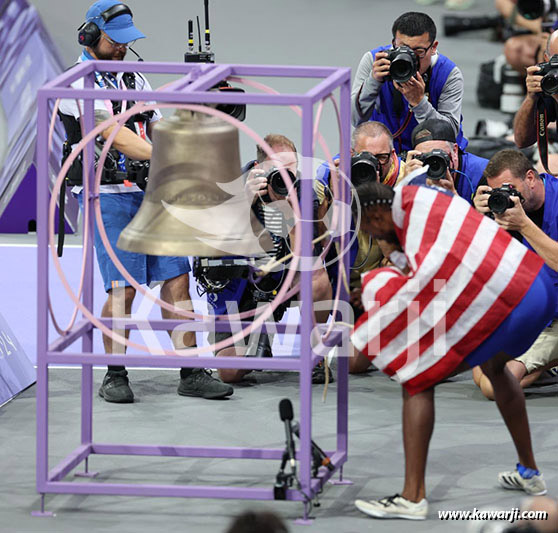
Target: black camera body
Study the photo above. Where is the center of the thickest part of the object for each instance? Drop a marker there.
(138, 172)
(438, 163)
(278, 185)
(364, 168)
(215, 273)
(549, 72)
(404, 64)
(501, 199)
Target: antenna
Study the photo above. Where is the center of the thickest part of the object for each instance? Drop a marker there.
(199, 34)
(207, 34)
(190, 35)
(199, 55)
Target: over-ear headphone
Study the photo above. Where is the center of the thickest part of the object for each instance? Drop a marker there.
(89, 33)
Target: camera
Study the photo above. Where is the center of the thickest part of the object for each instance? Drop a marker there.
(549, 72)
(278, 185)
(364, 168)
(138, 172)
(500, 199)
(534, 9)
(438, 163)
(454, 24)
(404, 64)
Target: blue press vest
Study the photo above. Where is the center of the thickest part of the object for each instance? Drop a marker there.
(473, 167)
(550, 220)
(386, 115)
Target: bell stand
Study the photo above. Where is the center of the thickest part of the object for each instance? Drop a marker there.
(189, 89)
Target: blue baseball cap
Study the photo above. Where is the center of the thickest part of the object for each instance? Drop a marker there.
(120, 29)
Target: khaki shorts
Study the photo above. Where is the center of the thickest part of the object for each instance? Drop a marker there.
(544, 349)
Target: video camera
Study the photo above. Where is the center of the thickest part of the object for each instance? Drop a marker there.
(501, 199)
(214, 274)
(364, 168)
(438, 163)
(136, 171)
(404, 64)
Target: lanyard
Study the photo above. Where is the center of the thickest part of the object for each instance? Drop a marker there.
(101, 81)
(103, 85)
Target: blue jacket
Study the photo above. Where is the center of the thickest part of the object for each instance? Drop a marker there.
(471, 171)
(550, 220)
(386, 114)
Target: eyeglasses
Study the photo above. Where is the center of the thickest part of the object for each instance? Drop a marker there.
(420, 52)
(114, 44)
(383, 158)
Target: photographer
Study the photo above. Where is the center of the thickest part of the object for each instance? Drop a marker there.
(373, 138)
(106, 34)
(525, 124)
(534, 214)
(450, 167)
(407, 82)
(271, 206)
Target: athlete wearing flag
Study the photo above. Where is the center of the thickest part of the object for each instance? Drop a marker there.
(465, 293)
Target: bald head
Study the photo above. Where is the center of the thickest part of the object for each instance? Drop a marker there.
(552, 45)
(372, 130)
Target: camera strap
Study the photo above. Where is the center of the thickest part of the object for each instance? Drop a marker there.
(542, 132)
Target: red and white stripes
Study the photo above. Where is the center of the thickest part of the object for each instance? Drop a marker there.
(466, 276)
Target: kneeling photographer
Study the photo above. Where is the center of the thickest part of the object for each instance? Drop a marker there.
(449, 167)
(271, 207)
(524, 201)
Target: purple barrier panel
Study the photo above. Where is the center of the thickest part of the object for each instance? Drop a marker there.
(28, 59)
(16, 370)
(20, 216)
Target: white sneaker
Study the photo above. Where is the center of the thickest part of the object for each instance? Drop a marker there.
(533, 485)
(394, 507)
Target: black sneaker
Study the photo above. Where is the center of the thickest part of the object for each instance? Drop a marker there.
(318, 374)
(116, 388)
(202, 384)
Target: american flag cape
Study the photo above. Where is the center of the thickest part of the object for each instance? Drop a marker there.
(466, 276)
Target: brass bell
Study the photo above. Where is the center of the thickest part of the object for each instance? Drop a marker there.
(195, 204)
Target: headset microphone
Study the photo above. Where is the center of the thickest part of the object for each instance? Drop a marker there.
(135, 53)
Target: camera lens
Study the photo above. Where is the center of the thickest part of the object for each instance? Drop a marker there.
(532, 9)
(402, 68)
(235, 111)
(437, 167)
(499, 201)
(277, 182)
(364, 168)
(549, 83)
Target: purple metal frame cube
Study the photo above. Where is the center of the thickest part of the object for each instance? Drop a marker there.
(191, 88)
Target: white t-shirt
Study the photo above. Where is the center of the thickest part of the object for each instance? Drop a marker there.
(70, 107)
